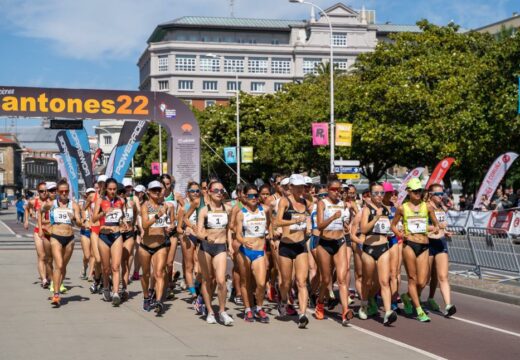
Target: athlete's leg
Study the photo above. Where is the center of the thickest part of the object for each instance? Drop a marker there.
(159, 266)
(340, 262)
(301, 269)
(40, 252)
(383, 271)
(219, 269)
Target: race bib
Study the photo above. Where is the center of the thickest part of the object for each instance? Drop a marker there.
(417, 225)
(62, 216)
(160, 222)
(300, 226)
(441, 216)
(217, 220)
(129, 215)
(382, 226)
(113, 216)
(336, 224)
(255, 228)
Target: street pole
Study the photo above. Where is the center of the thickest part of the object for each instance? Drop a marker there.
(238, 125)
(160, 150)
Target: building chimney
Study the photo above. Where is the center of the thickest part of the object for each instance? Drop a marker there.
(363, 15)
(313, 16)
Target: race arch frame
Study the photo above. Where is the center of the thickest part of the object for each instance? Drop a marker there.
(89, 104)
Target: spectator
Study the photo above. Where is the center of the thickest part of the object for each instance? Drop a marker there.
(512, 197)
(485, 204)
(462, 202)
(20, 210)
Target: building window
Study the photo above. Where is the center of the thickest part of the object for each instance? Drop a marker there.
(209, 103)
(341, 64)
(164, 85)
(1, 178)
(209, 85)
(278, 86)
(108, 139)
(1, 157)
(310, 65)
(163, 63)
(281, 66)
(185, 84)
(275, 42)
(257, 65)
(209, 64)
(339, 39)
(187, 101)
(258, 87)
(234, 65)
(232, 86)
(185, 63)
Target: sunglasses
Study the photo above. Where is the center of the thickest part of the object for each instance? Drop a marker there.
(252, 196)
(437, 193)
(194, 191)
(378, 193)
(336, 189)
(42, 191)
(218, 191)
(63, 192)
(418, 191)
(322, 195)
(52, 190)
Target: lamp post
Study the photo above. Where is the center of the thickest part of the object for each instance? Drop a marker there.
(331, 64)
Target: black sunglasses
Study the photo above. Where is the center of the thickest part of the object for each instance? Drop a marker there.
(218, 191)
(252, 196)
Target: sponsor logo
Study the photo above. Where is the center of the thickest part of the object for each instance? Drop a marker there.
(123, 161)
(506, 158)
(444, 164)
(186, 128)
(81, 154)
(416, 172)
(167, 113)
(6, 91)
(68, 162)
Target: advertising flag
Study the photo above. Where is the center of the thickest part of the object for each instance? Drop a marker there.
(156, 168)
(122, 154)
(247, 154)
(320, 134)
(80, 151)
(138, 172)
(440, 170)
(230, 155)
(494, 176)
(69, 162)
(343, 134)
(415, 173)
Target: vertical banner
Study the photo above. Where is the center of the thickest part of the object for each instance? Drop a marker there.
(246, 153)
(493, 177)
(121, 156)
(343, 134)
(320, 134)
(230, 155)
(81, 152)
(64, 174)
(415, 173)
(69, 162)
(440, 170)
(156, 168)
(138, 172)
(165, 168)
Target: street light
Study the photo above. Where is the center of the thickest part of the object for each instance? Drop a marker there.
(237, 113)
(331, 64)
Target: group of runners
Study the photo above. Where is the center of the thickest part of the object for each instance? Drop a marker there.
(290, 243)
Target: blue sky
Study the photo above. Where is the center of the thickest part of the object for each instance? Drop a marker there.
(96, 43)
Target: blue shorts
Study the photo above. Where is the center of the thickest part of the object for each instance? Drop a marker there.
(85, 232)
(110, 238)
(393, 241)
(313, 241)
(252, 255)
(437, 246)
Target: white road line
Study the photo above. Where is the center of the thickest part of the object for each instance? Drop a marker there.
(486, 326)
(8, 228)
(390, 340)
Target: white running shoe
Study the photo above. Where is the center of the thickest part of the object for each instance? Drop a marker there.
(210, 319)
(225, 318)
(116, 300)
(362, 313)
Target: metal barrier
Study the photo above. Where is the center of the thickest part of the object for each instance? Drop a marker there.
(493, 249)
(460, 250)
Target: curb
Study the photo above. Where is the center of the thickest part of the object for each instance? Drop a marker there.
(504, 298)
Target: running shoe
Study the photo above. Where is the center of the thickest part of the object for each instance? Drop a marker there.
(63, 289)
(106, 295)
(346, 317)
(302, 321)
(56, 300)
(116, 300)
(432, 304)
(225, 318)
(289, 309)
(390, 317)
(183, 285)
(282, 310)
(170, 293)
(135, 276)
(422, 317)
(198, 305)
(51, 287)
(450, 310)
(372, 308)
(159, 307)
(261, 316)
(45, 284)
(94, 288)
(248, 316)
(151, 293)
(319, 312)
(83, 274)
(146, 304)
(362, 313)
(332, 303)
(239, 301)
(210, 319)
(394, 306)
(407, 302)
(123, 294)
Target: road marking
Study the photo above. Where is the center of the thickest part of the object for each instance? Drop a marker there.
(8, 228)
(486, 326)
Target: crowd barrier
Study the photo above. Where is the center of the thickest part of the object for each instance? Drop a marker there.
(508, 220)
(483, 247)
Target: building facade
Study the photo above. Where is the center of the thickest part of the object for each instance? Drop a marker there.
(511, 24)
(10, 165)
(203, 60)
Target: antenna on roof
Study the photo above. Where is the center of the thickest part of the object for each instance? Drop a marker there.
(232, 8)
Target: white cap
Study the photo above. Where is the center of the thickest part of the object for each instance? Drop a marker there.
(344, 185)
(102, 178)
(127, 182)
(308, 180)
(154, 185)
(284, 182)
(90, 190)
(297, 179)
(139, 188)
(50, 185)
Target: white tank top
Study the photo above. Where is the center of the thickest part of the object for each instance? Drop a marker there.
(329, 211)
(254, 225)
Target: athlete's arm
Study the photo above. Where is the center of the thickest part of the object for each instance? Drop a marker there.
(98, 212)
(395, 221)
(282, 206)
(77, 214)
(201, 230)
(367, 226)
(322, 224)
(433, 218)
(26, 214)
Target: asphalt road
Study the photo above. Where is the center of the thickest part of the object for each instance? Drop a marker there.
(86, 327)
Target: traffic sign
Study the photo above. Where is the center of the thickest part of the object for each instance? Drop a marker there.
(347, 163)
(346, 170)
(349, 176)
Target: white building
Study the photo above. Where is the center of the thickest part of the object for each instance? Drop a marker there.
(107, 133)
(197, 58)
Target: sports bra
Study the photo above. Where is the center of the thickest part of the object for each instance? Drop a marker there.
(382, 225)
(329, 211)
(113, 212)
(254, 225)
(290, 213)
